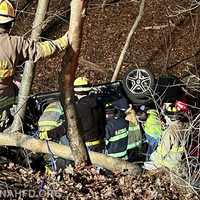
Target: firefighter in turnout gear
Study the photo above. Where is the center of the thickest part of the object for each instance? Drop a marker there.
(52, 121)
(15, 50)
(153, 131)
(123, 134)
(89, 113)
(135, 138)
(116, 136)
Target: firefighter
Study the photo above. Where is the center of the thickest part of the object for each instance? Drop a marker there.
(14, 50)
(135, 137)
(171, 147)
(123, 135)
(116, 129)
(51, 127)
(153, 130)
(90, 115)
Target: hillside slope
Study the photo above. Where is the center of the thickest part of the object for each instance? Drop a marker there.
(164, 38)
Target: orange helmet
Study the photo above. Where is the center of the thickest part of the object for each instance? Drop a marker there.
(7, 11)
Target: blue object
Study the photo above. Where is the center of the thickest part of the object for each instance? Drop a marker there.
(152, 145)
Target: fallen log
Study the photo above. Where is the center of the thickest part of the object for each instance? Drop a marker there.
(38, 146)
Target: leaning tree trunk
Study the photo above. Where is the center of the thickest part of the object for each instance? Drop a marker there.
(70, 63)
(29, 68)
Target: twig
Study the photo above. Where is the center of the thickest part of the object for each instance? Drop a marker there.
(156, 27)
(183, 183)
(184, 10)
(25, 6)
(121, 58)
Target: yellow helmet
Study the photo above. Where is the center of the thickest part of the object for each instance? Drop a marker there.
(81, 81)
(7, 11)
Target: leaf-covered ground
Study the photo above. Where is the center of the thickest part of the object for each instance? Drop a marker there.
(168, 49)
(88, 184)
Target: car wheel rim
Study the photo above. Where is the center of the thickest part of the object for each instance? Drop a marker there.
(138, 81)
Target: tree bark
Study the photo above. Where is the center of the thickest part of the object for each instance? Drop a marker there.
(121, 58)
(69, 66)
(24, 141)
(28, 74)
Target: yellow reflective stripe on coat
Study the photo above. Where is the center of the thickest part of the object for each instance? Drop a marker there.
(118, 154)
(47, 48)
(61, 43)
(93, 143)
(133, 145)
(120, 136)
(48, 123)
(51, 109)
(134, 128)
(175, 149)
(163, 151)
(4, 73)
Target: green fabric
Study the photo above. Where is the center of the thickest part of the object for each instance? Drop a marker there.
(134, 136)
(152, 126)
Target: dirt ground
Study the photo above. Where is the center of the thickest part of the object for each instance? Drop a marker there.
(166, 40)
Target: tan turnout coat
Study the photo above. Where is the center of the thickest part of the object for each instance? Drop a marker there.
(15, 50)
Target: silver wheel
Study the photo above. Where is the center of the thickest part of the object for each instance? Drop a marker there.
(138, 81)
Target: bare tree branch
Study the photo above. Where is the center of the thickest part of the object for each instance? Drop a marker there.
(121, 58)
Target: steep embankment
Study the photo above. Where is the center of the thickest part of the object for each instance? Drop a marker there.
(163, 39)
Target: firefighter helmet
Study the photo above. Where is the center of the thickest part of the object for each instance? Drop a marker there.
(81, 81)
(7, 11)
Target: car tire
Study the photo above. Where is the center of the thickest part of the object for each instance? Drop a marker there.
(138, 85)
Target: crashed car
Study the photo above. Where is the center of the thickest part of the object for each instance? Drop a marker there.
(138, 85)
